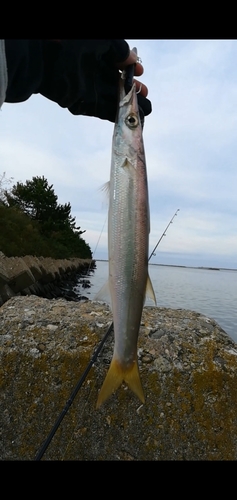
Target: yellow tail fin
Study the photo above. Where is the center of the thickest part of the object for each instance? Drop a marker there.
(114, 378)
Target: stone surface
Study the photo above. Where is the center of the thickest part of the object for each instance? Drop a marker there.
(4, 279)
(188, 368)
(33, 264)
(39, 276)
(19, 274)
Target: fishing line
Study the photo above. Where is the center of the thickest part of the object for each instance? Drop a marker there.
(100, 235)
(87, 275)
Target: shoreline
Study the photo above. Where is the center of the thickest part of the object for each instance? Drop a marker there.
(186, 267)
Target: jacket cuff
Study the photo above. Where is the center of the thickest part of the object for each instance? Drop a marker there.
(3, 73)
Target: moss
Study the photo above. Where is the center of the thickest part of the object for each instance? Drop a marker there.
(36, 390)
(188, 415)
(206, 407)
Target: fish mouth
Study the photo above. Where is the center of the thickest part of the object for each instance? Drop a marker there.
(126, 102)
(130, 101)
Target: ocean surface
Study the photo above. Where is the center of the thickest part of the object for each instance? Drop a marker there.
(210, 292)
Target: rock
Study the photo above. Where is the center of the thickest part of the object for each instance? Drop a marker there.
(46, 277)
(34, 265)
(6, 294)
(20, 276)
(189, 376)
(4, 278)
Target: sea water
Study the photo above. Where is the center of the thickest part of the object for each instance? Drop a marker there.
(210, 292)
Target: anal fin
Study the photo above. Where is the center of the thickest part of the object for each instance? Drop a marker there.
(150, 290)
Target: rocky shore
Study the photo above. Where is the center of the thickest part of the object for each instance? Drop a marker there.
(188, 368)
(43, 276)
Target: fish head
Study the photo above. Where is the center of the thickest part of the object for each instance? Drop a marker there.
(128, 118)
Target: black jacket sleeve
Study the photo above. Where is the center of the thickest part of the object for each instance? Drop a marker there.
(80, 75)
(25, 68)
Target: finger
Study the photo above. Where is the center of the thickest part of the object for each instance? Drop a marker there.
(132, 59)
(139, 70)
(141, 88)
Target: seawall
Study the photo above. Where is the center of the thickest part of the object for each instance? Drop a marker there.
(39, 276)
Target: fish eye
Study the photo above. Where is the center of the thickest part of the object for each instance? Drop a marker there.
(131, 121)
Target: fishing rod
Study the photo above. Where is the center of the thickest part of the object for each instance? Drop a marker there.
(72, 396)
(85, 373)
(94, 357)
(127, 85)
(163, 234)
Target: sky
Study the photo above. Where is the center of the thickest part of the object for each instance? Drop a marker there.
(191, 153)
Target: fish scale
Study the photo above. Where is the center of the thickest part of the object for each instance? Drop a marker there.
(128, 242)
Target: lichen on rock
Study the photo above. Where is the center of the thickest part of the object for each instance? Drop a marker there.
(188, 368)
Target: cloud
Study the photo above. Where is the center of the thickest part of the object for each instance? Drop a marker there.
(190, 143)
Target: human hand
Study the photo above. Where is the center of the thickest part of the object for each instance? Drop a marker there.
(141, 89)
(138, 71)
(83, 75)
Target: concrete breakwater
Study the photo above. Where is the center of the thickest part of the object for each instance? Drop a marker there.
(188, 367)
(38, 276)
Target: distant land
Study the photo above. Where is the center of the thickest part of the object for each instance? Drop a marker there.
(186, 267)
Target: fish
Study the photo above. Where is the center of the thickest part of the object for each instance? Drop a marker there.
(128, 245)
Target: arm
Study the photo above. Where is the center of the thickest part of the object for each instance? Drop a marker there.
(81, 75)
(25, 68)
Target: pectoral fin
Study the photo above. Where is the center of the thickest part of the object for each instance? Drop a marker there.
(129, 168)
(105, 188)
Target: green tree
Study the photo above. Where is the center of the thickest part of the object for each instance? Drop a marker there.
(37, 199)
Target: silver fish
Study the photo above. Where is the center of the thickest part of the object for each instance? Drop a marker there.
(128, 240)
